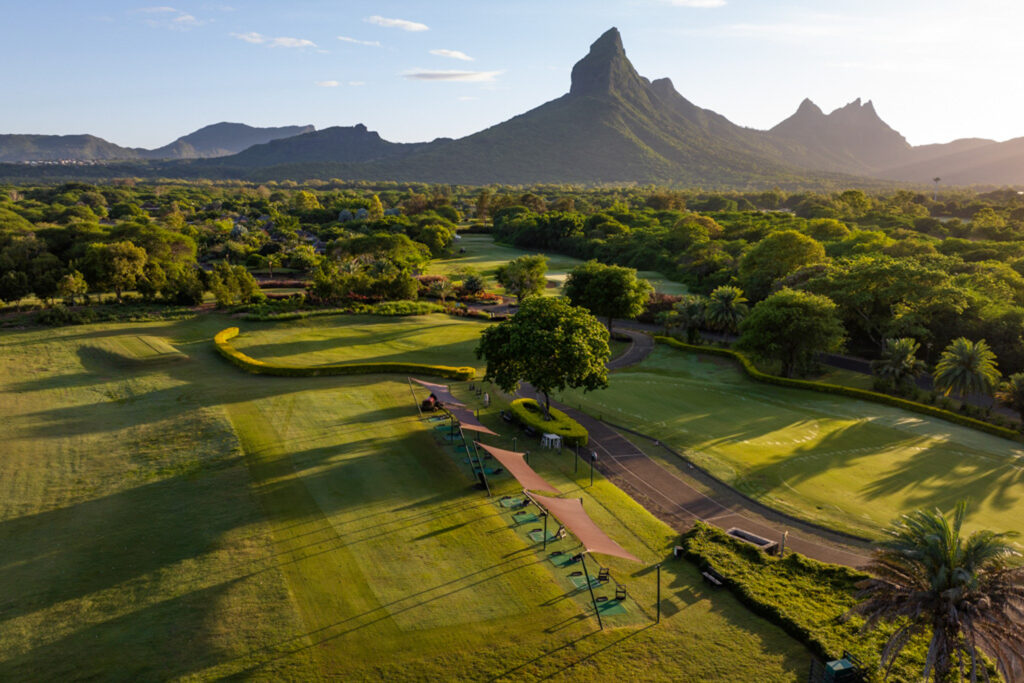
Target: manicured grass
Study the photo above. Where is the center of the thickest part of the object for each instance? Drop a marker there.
(483, 254)
(850, 464)
(190, 520)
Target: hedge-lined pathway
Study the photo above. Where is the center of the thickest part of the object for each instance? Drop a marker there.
(679, 503)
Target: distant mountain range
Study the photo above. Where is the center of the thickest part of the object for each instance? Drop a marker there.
(220, 139)
(613, 126)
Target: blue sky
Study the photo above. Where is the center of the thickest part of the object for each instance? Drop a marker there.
(143, 73)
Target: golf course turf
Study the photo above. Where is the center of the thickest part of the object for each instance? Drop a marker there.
(852, 465)
(184, 519)
(483, 254)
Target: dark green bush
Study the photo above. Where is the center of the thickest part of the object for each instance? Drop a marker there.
(808, 599)
(862, 394)
(528, 412)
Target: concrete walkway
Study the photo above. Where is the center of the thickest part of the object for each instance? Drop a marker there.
(680, 498)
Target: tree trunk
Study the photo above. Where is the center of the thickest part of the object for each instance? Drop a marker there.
(547, 407)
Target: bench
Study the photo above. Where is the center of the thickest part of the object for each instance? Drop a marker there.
(506, 416)
(530, 431)
(712, 577)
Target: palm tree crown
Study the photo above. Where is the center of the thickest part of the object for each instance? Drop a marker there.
(967, 367)
(1012, 392)
(899, 363)
(726, 307)
(961, 593)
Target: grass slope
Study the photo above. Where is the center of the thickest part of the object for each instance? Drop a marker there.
(304, 528)
(485, 255)
(853, 465)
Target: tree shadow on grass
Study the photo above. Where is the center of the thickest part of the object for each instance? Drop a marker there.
(939, 476)
(144, 644)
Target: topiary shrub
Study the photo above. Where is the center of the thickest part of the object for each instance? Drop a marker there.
(222, 341)
(528, 412)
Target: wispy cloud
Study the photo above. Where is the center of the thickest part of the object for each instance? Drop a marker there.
(284, 41)
(452, 54)
(403, 24)
(161, 17)
(452, 75)
(356, 84)
(356, 41)
(328, 84)
(701, 4)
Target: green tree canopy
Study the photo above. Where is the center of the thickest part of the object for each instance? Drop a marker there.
(791, 326)
(524, 276)
(899, 365)
(776, 256)
(116, 266)
(549, 343)
(607, 291)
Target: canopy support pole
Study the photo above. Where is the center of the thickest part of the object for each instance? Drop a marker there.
(413, 392)
(593, 600)
(479, 462)
(546, 515)
(659, 593)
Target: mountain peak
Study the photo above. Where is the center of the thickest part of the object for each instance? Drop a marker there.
(809, 108)
(605, 68)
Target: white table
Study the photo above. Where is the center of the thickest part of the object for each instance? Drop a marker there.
(550, 441)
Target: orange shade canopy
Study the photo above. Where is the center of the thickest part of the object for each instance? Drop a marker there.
(440, 391)
(467, 420)
(570, 513)
(516, 464)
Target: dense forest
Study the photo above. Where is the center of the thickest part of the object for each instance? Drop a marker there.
(899, 264)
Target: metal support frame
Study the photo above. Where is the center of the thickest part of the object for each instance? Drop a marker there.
(414, 399)
(593, 600)
(546, 515)
(479, 461)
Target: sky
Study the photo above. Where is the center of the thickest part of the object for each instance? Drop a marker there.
(141, 74)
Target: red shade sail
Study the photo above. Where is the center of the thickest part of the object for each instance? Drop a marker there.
(467, 420)
(516, 464)
(440, 391)
(570, 513)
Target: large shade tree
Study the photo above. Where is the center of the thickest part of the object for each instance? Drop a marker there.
(549, 343)
(607, 291)
(966, 368)
(791, 326)
(964, 594)
(775, 257)
(524, 276)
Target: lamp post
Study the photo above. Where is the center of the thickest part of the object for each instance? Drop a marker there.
(593, 458)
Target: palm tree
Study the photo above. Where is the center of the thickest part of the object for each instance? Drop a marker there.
(726, 307)
(899, 363)
(961, 593)
(442, 289)
(967, 367)
(1012, 393)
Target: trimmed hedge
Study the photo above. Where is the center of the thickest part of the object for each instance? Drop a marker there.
(387, 308)
(528, 412)
(822, 387)
(257, 367)
(806, 598)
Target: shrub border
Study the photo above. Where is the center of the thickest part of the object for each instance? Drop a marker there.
(822, 387)
(222, 342)
(571, 431)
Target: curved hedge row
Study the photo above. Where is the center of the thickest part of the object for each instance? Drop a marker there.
(822, 387)
(258, 367)
(528, 412)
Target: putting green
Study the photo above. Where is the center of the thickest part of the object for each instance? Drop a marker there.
(853, 465)
(483, 254)
(304, 528)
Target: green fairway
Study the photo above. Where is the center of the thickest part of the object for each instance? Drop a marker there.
(483, 254)
(849, 464)
(189, 520)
